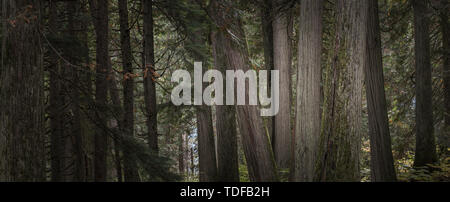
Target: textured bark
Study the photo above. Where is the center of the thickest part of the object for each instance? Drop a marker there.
(207, 163)
(149, 77)
(227, 155)
(425, 140)
(186, 157)
(445, 30)
(341, 126)
(196, 30)
(257, 149)
(64, 111)
(130, 166)
(267, 34)
(197, 47)
(86, 84)
(22, 150)
(116, 124)
(192, 161)
(206, 144)
(283, 63)
(309, 74)
(117, 159)
(381, 161)
(77, 173)
(56, 101)
(181, 154)
(99, 10)
(206, 147)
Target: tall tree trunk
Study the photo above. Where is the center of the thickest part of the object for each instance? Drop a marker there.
(63, 125)
(181, 154)
(192, 161)
(116, 124)
(149, 77)
(130, 167)
(21, 93)
(309, 74)
(445, 29)
(186, 153)
(206, 146)
(196, 30)
(75, 138)
(267, 34)
(99, 10)
(381, 161)
(56, 99)
(258, 153)
(227, 153)
(283, 63)
(341, 128)
(87, 126)
(425, 141)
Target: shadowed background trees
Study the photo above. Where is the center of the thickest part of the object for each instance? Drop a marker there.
(85, 90)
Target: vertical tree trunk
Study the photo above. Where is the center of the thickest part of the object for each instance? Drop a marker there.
(130, 167)
(267, 34)
(21, 93)
(256, 143)
(149, 77)
(227, 154)
(75, 138)
(445, 30)
(192, 161)
(88, 132)
(341, 128)
(116, 124)
(196, 30)
(381, 161)
(56, 99)
(99, 10)
(187, 158)
(282, 62)
(206, 145)
(63, 125)
(425, 141)
(181, 154)
(309, 74)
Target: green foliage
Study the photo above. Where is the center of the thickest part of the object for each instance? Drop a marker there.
(284, 175)
(430, 173)
(191, 178)
(243, 173)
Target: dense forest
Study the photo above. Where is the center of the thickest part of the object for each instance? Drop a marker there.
(86, 86)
